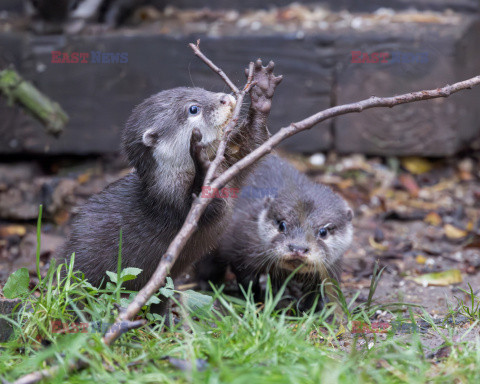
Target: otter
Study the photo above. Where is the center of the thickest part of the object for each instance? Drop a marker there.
(282, 222)
(166, 140)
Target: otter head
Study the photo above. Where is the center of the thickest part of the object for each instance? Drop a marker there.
(157, 135)
(309, 230)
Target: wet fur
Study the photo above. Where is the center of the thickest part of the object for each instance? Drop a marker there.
(253, 245)
(150, 204)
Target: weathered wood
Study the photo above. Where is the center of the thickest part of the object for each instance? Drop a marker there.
(100, 97)
(435, 128)
(317, 69)
(350, 5)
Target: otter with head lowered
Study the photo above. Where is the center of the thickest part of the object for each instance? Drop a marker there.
(163, 139)
(299, 225)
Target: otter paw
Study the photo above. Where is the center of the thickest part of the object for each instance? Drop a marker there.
(198, 153)
(266, 82)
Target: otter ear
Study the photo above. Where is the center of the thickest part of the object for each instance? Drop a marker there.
(349, 214)
(150, 137)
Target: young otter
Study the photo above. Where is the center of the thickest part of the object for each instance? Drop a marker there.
(163, 140)
(299, 224)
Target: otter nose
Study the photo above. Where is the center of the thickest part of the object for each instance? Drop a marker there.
(227, 100)
(299, 249)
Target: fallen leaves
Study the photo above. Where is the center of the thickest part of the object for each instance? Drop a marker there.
(376, 245)
(433, 218)
(409, 183)
(13, 230)
(440, 279)
(416, 165)
(454, 233)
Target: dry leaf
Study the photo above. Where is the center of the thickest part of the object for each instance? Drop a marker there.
(409, 183)
(452, 276)
(470, 226)
(377, 246)
(13, 230)
(454, 233)
(416, 165)
(433, 218)
(420, 259)
(84, 177)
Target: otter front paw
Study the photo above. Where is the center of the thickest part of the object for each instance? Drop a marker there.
(198, 152)
(266, 82)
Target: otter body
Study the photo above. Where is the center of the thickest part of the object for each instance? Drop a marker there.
(284, 222)
(162, 140)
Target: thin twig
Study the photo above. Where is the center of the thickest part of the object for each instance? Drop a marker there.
(309, 122)
(206, 60)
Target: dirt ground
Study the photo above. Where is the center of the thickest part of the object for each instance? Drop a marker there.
(414, 216)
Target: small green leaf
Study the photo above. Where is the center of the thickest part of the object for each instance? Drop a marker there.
(17, 284)
(110, 287)
(197, 302)
(167, 290)
(112, 276)
(153, 300)
(153, 317)
(169, 283)
(124, 302)
(130, 273)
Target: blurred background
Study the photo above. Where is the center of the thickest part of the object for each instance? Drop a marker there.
(72, 70)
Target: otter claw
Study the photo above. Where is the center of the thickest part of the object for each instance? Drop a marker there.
(265, 84)
(270, 66)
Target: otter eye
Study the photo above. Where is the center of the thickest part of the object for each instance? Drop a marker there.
(282, 226)
(194, 109)
(323, 232)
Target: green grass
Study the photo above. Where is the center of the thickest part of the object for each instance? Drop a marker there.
(234, 341)
(241, 343)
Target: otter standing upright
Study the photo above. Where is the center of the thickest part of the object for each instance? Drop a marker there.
(163, 140)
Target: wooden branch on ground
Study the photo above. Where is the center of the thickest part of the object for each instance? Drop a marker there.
(16, 89)
(199, 204)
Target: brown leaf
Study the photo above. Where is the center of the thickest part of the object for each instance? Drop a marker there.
(13, 230)
(409, 183)
(473, 242)
(420, 259)
(377, 246)
(433, 218)
(454, 233)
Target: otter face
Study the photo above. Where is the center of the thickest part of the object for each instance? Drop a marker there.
(312, 234)
(161, 126)
(210, 117)
(188, 108)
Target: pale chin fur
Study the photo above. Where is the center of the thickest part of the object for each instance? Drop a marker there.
(177, 153)
(337, 244)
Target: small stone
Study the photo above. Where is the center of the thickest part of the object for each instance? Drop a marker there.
(318, 159)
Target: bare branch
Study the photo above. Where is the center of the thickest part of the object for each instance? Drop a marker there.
(210, 63)
(309, 122)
